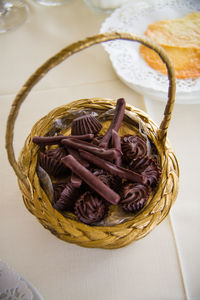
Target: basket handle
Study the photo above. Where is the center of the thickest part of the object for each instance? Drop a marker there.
(61, 56)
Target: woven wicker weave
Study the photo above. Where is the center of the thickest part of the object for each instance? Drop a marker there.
(36, 199)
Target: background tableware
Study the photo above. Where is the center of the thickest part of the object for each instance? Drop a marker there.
(51, 2)
(105, 5)
(134, 17)
(13, 286)
(12, 14)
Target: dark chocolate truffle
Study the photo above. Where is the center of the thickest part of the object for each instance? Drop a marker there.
(90, 208)
(85, 124)
(133, 147)
(134, 196)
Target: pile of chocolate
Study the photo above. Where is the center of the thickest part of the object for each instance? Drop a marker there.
(90, 171)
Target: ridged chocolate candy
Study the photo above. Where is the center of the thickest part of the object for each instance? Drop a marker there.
(50, 161)
(90, 208)
(58, 187)
(57, 153)
(85, 124)
(134, 196)
(67, 198)
(148, 167)
(133, 147)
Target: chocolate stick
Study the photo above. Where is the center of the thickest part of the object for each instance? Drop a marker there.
(94, 182)
(53, 140)
(77, 156)
(116, 143)
(116, 122)
(108, 154)
(113, 169)
(75, 180)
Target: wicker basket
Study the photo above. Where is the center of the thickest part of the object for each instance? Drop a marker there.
(37, 201)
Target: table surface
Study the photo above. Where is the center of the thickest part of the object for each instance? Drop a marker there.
(163, 265)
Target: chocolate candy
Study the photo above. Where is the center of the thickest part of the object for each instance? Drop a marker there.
(67, 198)
(134, 196)
(96, 184)
(58, 187)
(85, 124)
(108, 154)
(47, 140)
(147, 167)
(116, 122)
(96, 168)
(51, 162)
(54, 140)
(114, 182)
(113, 169)
(97, 139)
(75, 180)
(116, 143)
(133, 147)
(76, 155)
(90, 208)
(57, 153)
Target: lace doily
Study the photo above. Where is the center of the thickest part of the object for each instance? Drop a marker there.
(129, 65)
(13, 287)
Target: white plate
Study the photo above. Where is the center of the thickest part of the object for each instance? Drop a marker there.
(36, 295)
(13, 286)
(134, 17)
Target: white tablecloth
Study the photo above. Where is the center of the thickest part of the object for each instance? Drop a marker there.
(162, 266)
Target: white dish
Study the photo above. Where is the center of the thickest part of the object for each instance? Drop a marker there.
(36, 295)
(13, 286)
(134, 17)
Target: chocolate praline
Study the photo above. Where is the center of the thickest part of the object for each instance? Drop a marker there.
(148, 167)
(86, 124)
(133, 147)
(134, 196)
(90, 208)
